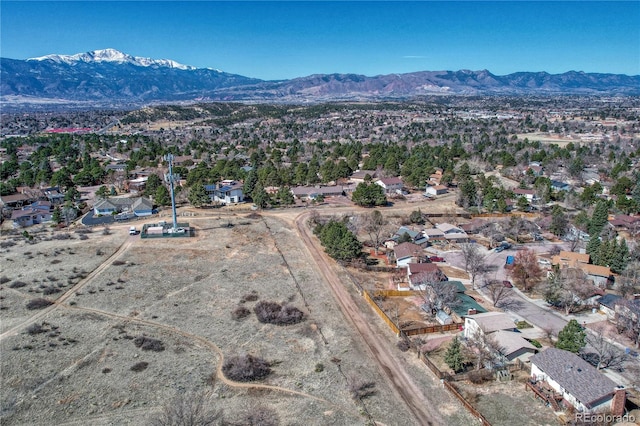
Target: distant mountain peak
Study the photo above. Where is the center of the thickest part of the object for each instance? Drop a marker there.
(112, 55)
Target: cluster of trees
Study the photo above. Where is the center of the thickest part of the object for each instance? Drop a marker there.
(339, 242)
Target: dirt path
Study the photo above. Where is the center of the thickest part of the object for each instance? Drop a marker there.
(397, 376)
(66, 295)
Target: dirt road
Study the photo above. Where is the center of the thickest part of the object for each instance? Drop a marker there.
(400, 381)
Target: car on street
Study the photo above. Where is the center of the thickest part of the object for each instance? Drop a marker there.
(436, 259)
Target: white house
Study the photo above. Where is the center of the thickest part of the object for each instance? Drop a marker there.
(391, 185)
(453, 233)
(579, 383)
(529, 194)
(226, 192)
(406, 253)
(436, 190)
(486, 323)
(38, 212)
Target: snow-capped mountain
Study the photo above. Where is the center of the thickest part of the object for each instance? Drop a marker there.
(112, 55)
(111, 78)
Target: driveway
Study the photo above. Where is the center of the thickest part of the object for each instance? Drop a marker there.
(90, 220)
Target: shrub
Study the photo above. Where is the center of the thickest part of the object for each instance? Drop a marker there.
(535, 343)
(274, 313)
(259, 415)
(188, 409)
(148, 344)
(55, 261)
(34, 329)
(17, 284)
(38, 304)
(480, 376)
(404, 345)
(118, 262)
(4, 280)
(246, 368)
(249, 297)
(360, 389)
(140, 366)
(240, 312)
(319, 368)
(50, 290)
(523, 324)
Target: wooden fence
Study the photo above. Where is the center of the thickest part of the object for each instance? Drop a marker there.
(380, 312)
(466, 403)
(395, 293)
(440, 328)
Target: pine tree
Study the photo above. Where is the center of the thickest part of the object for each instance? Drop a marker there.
(572, 337)
(599, 218)
(198, 195)
(620, 258)
(453, 357)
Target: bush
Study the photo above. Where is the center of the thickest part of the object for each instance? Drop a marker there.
(148, 344)
(250, 297)
(38, 304)
(274, 313)
(246, 368)
(259, 415)
(523, 324)
(360, 389)
(17, 284)
(4, 280)
(189, 408)
(480, 376)
(240, 312)
(319, 368)
(50, 290)
(34, 329)
(140, 366)
(404, 345)
(535, 343)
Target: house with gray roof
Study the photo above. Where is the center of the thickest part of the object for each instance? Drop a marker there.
(139, 206)
(513, 345)
(579, 383)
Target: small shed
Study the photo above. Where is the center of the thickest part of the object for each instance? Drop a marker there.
(443, 318)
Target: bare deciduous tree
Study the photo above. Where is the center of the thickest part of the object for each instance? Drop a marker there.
(498, 292)
(605, 355)
(376, 226)
(629, 282)
(473, 261)
(568, 288)
(189, 409)
(484, 349)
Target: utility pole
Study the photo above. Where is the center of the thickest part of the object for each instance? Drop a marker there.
(169, 159)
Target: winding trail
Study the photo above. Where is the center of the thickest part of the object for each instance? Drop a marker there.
(421, 407)
(70, 292)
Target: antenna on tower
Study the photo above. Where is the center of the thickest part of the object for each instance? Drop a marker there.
(169, 159)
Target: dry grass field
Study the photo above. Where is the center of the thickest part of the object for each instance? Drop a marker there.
(77, 361)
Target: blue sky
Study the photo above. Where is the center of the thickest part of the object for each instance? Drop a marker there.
(278, 40)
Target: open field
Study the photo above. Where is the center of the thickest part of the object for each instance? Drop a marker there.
(71, 362)
(174, 291)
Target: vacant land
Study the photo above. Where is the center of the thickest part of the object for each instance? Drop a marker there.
(82, 360)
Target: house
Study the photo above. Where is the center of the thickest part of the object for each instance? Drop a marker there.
(622, 222)
(226, 192)
(136, 185)
(391, 185)
(529, 194)
(434, 236)
(558, 186)
(15, 200)
(419, 274)
(607, 305)
(453, 233)
(569, 259)
(406, 253)
(487, 323)
(313, 192)
(513, 345)
(417, 237)
(600, 275)
(38, 212)
(578, 382)
(535, 168)
(436, 177)
(139, 206)
(628, 313)
(436, 190)
(475, 226)
(359, 176)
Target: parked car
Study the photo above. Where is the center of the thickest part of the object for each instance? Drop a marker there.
(133, 231)
(507, 284)
(436, 259)
(499, 249)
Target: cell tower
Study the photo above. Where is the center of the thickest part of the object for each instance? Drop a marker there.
(169, 159)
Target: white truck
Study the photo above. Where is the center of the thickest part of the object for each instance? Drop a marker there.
(132, 231)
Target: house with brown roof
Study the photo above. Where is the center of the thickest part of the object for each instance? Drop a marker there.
(600, 275)
(578, 382)
(570, 259)
(406, 253)
(419, 274)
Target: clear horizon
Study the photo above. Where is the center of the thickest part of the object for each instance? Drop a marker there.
(283, 40)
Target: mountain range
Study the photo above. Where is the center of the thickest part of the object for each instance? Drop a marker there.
(111, 78)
